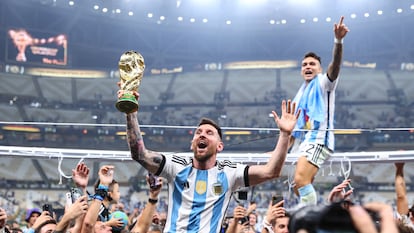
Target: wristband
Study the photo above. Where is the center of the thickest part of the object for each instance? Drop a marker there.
(337, 41)
(100, 194)
(104, 187)
(153, 201)
(98, 197)
(266, 225)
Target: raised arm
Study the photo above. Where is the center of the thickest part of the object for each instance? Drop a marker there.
(106, 175)
(144, 221)
(73, 212)
(150, 160)
(400, 189)
(273, 168)
(340, 31)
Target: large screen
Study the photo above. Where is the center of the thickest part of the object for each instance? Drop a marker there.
(24, 46)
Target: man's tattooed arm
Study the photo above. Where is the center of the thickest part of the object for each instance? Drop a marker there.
(150, 160)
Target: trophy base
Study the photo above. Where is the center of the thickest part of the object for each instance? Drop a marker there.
(127, 105)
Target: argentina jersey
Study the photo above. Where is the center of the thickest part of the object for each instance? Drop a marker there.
(198, 199)
(322, 132)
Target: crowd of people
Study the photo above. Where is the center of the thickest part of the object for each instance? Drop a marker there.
(102, 212)
(200, 188)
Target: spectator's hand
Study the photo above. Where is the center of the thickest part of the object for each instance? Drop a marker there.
(252, 207)
(275, 211)
(239, 212)
(78, 208)
(3, 218)
(80, 175)
(154, 192)
(287, 121)
(337, 193)
(340, 29)
(106, 174)
(43, 217)
(364, 223)
(114, 222)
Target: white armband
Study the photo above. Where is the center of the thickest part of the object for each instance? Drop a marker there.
(336, 41)
(267, 225)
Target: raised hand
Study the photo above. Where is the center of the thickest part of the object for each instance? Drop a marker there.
(80, 175)
(287, 121)
(106, 174)
(338, 194)
(340, 29)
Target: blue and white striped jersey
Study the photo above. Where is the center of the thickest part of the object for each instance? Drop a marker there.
(198, 199)
(322, 132)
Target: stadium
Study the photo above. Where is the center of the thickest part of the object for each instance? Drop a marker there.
(232, 61)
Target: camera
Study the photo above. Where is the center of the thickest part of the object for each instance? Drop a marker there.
(244, 220)
(48, 208)
(331, 218)
(153, 181)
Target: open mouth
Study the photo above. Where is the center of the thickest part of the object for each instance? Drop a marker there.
(308, 72)
(202, 144)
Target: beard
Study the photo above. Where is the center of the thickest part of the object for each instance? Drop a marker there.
(203, 157)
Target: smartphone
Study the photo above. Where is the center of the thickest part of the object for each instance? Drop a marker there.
(75, 194)
(242, 195)
(244, 220)
(276, 199)
(68, 198)
(48, 207)
(153, 181)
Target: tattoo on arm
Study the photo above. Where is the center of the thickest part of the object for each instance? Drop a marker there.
(335, 66)
(148, 159)
(135, 140)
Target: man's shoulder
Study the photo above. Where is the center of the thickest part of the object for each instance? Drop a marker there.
(227, 164)
(180, 160)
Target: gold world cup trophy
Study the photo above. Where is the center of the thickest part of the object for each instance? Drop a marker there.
(131, 70)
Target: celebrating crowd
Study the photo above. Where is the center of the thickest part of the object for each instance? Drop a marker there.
(200, 188)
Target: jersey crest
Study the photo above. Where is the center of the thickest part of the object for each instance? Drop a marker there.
(201, 187)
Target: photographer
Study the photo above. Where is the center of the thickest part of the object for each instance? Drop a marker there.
(364, 223)
(344, 217)
(73, 212)
(239, 221)
(44, 222)
(276, 220)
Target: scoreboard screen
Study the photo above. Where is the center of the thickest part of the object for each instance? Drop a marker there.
(33, 47)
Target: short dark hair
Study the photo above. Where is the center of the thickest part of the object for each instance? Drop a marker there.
(50, 221)
(208, 121)
(314, 55)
